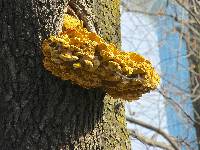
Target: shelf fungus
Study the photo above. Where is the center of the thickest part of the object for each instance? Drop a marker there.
(87, 60)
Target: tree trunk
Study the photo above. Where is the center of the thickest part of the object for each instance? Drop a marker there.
(195, 80)
(40, 111)
(193, 45)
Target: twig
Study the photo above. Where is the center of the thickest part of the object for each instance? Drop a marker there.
(137, 76)
(189, 11)
(180, 108)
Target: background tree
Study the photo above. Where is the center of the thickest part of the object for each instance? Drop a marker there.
(185, 24)
(193, 44)
(38, 110)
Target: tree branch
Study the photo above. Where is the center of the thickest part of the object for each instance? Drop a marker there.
(84, 13)
(189, 11)
(159, 131)
(150, 142)
(174, 103)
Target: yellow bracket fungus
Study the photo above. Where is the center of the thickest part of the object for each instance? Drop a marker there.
(87, 60)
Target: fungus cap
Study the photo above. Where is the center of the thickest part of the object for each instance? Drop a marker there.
(87, 60)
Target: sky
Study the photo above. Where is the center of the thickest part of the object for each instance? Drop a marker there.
(139, 35)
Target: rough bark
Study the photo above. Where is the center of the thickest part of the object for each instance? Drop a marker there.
(195, 80)
(193, 45)
(38, 110)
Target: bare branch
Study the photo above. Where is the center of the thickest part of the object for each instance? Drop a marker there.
(84, 13)
(150, 141)
(189, 11)
(159, 131)
(146, 13)
(178, 106)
